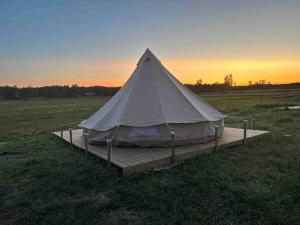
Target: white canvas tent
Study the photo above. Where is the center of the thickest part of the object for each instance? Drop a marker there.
(150, 103)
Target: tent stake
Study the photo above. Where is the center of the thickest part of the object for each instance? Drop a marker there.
(71, 138)
(173, 145)
(109, 150)
(245, 131)
(216, 137)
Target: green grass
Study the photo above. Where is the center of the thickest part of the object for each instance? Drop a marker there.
(44, 181)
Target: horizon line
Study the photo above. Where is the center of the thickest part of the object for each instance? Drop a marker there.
(87, 86)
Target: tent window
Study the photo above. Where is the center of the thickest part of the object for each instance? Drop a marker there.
(143, 132)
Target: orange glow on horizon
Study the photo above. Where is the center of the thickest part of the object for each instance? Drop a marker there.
(210, 71)
(116, 72)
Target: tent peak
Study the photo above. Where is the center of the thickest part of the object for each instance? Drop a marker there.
(148, 52)
(147, 56)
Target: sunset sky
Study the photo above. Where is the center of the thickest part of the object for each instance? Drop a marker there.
(97, 42)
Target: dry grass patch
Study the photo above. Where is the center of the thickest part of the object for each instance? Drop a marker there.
(124, 214)
(99, 198)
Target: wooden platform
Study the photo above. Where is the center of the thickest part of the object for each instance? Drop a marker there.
(134, 160)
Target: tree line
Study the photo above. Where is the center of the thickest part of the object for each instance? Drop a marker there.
(229, 85)
(56, 91)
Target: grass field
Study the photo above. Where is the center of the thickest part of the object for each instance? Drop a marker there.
(44, 181)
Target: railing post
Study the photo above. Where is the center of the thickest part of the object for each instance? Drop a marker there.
(109, 150)
(253, 123)
(173, 145)
(216, 137)
(86, 142)
(245, 131)
(61, 133)
(71, 138)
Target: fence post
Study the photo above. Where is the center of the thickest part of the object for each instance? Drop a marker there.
(216, 136)
(245, 131)
(109, 150)
(173, 145)
(86, 142)
(253, 123)
(71, 138)
(61, 133)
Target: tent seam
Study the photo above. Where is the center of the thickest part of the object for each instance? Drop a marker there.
(172, 77)
(162, 68)
(159, 100)
(125, 105)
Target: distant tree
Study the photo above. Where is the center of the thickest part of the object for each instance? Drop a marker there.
(249, 83)
(228, 80)
(199, 82)
(262, 82)
(9, 92)
(25, 93)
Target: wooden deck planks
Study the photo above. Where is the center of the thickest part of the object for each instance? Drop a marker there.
(134, 160)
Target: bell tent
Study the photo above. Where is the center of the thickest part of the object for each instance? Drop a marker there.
(151, 103)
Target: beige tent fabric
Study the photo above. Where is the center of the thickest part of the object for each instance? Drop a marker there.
(152, 96)
(157, 136)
